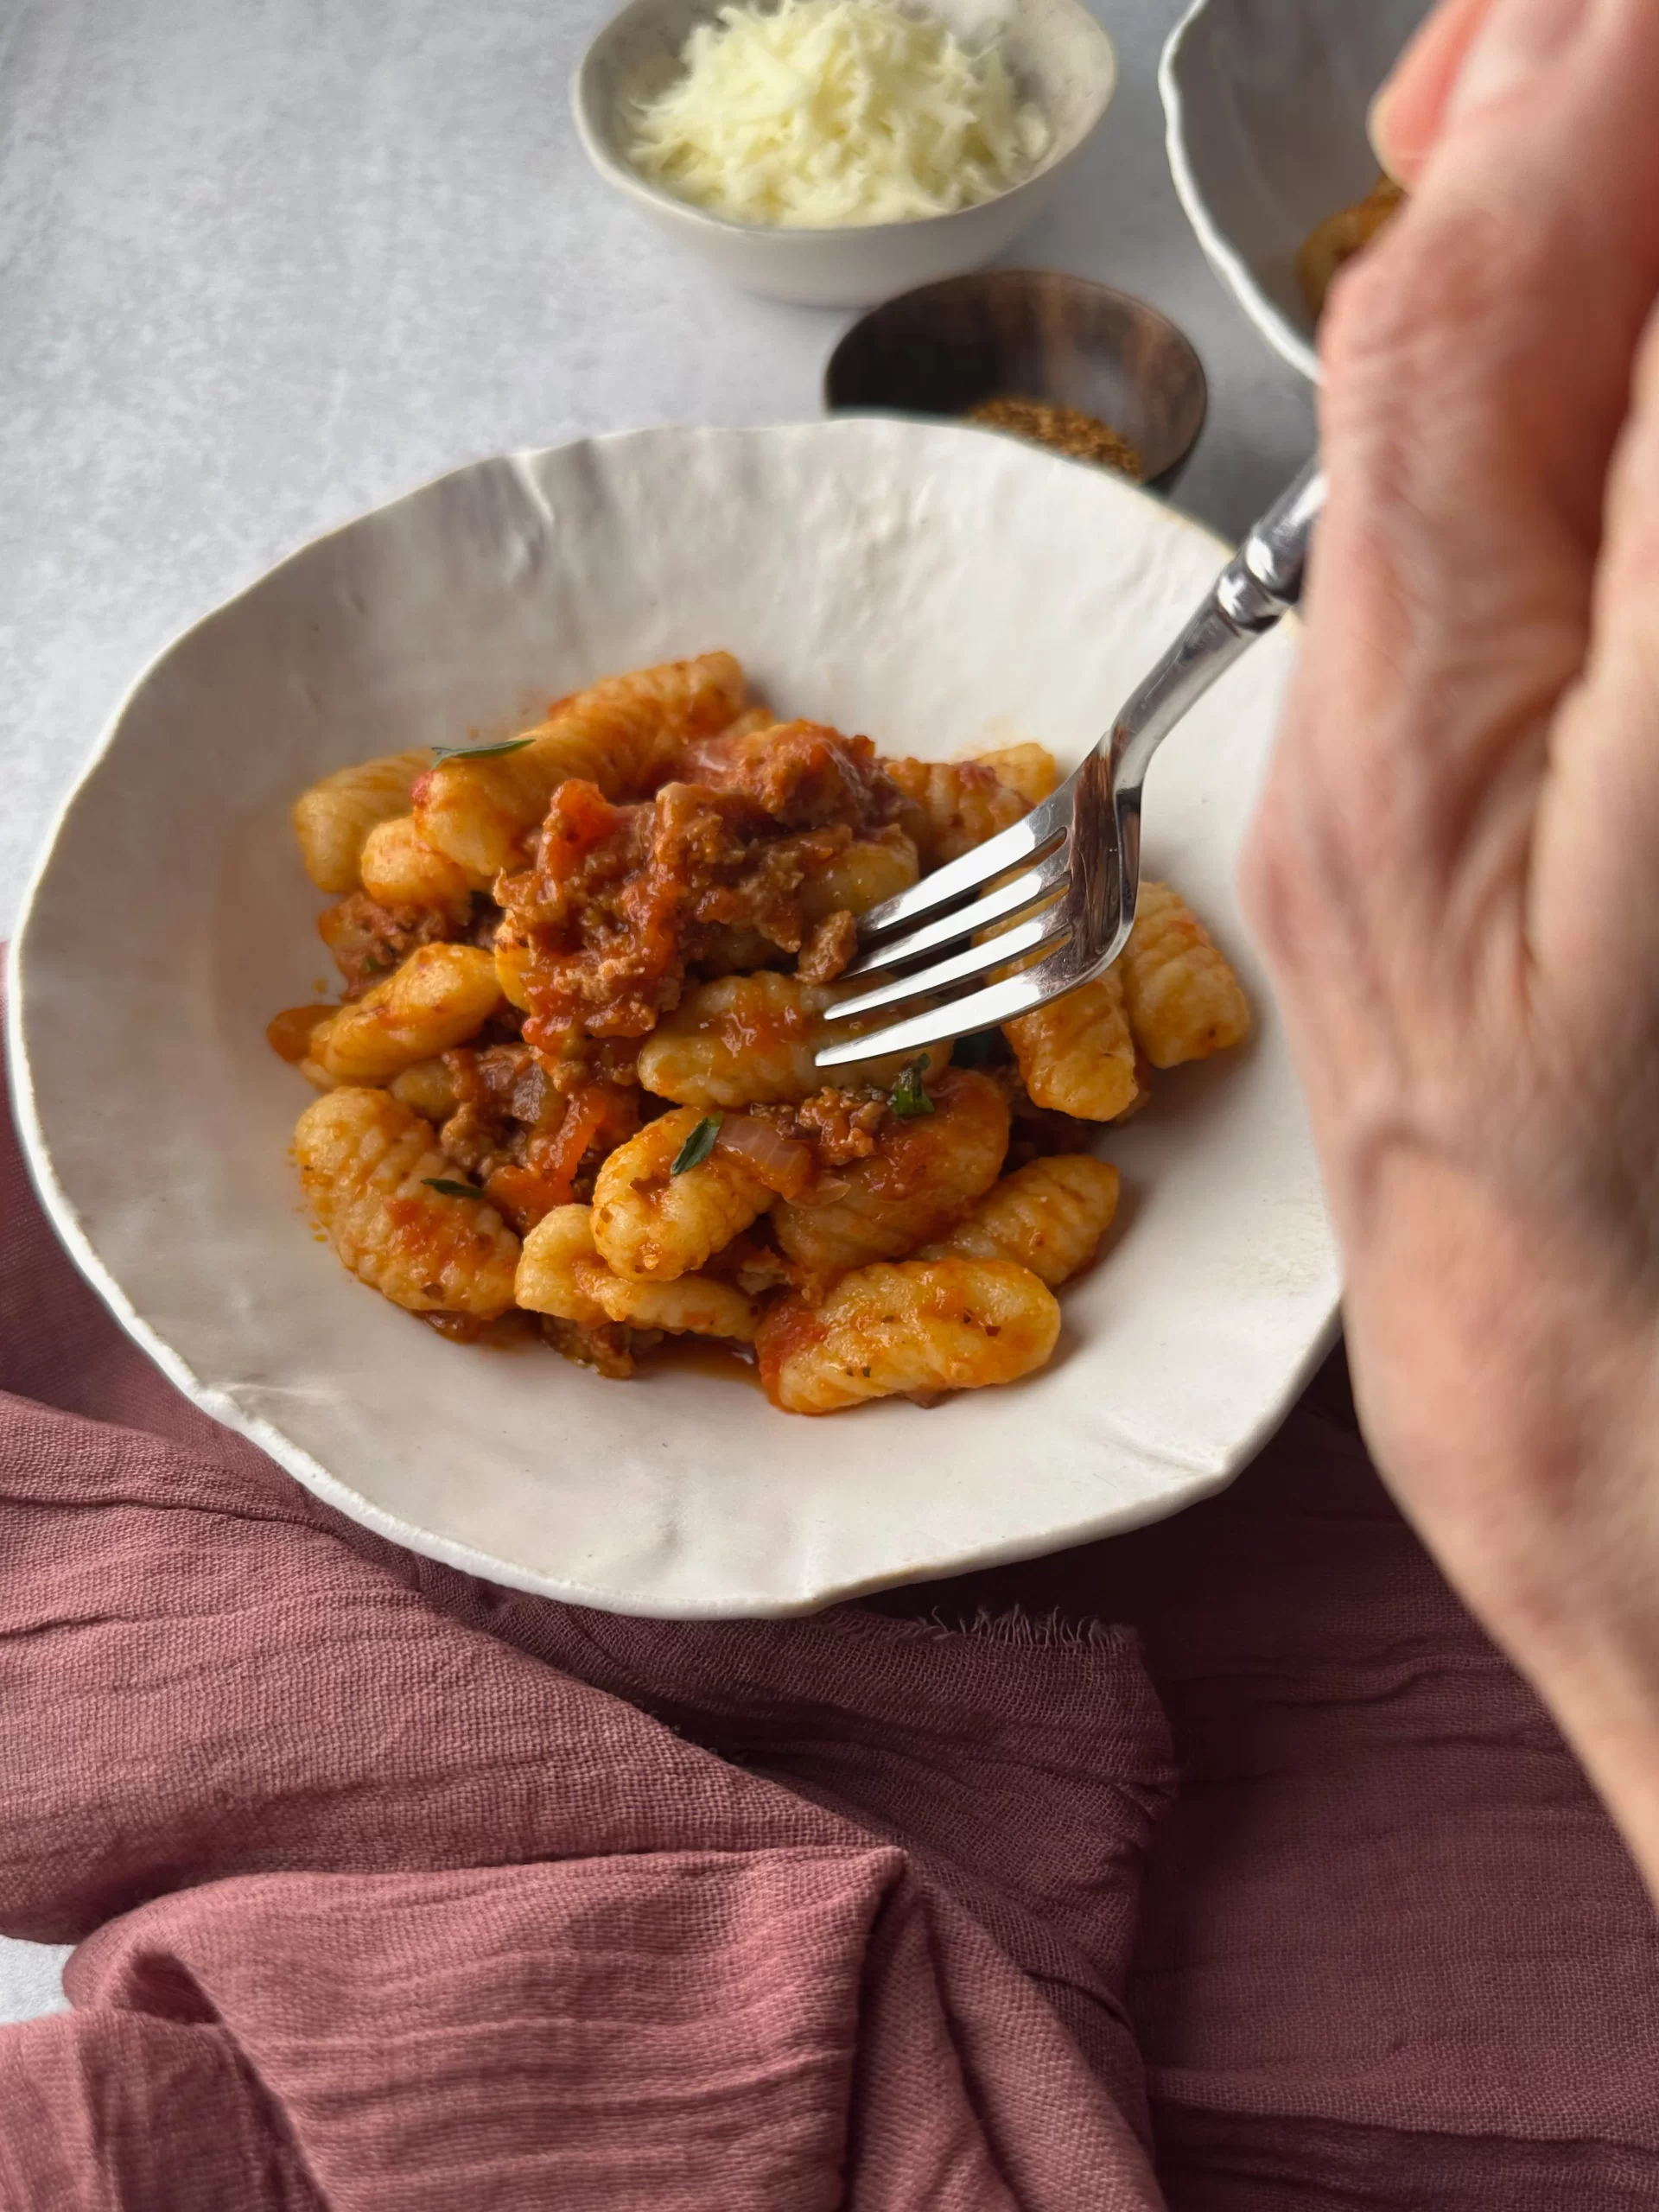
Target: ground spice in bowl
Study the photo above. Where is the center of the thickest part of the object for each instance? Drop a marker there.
(1063, 430)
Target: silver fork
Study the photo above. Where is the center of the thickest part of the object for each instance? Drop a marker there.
(1066, 917)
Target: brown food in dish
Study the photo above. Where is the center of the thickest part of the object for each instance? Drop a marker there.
(1340, 237)
(571, 1080)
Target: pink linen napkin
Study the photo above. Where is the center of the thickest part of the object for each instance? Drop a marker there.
(396, 1890)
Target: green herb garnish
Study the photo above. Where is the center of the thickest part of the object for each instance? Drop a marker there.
(699, 1146)
(478, 751)
(449, 1190)
(907, 1097)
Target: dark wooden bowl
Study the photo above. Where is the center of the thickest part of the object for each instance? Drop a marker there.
(1027, 334)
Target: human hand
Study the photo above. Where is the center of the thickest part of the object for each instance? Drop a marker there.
(1456, 871)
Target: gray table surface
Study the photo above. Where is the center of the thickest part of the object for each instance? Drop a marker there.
(264, 263)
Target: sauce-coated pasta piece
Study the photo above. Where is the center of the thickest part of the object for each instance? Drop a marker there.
(399, 868)
(691, 1306)
(429, 1087)
(547, 1279)
(622, 735)
(1184, 1001)
(1031, 770)
(921, 1325)
(332, 819)
(1077, 1054)
(561, 1273)
(649, 1221)
(365, 1160)
(860, 876)
(749, 1040)
(954, 805)
(440, 996)
(923, 1176)
(1048, 1216)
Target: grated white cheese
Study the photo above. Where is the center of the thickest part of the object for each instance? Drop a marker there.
(817, 113)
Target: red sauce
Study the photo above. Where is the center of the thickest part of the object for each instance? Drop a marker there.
(789, 1328)
(700, 1356)
(288, 1034)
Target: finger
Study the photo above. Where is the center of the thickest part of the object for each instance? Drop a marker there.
(1593, 914)
(1479, 375)
(1408, 113)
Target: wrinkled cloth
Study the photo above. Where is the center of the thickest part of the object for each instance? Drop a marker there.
(1224, 1866)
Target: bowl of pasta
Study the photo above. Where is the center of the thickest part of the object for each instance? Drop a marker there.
(445, 1117)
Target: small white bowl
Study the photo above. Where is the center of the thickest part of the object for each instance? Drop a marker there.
(1059, 57)
(1266, 102)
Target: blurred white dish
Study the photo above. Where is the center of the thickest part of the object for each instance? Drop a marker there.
(1265, 103)
(937, 589)
(1059, 53)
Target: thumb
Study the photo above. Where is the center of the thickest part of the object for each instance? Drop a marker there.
(1467, 52)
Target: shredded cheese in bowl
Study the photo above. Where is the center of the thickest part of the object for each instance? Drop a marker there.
(819, 113)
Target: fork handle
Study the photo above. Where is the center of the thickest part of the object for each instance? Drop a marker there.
(1260, 584)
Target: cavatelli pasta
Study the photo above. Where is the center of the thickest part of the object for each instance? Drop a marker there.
(649, 1221)
(623, 734)
(561, 1273)
(1183, 998)
(1048, 1216)
(365, 1160)
(334, 819)
(547, 1268)
(695, 1306)
(860, 876)
(954, 805)
(1029, 769)
(438, 998)
(924, 1175)
(749, 1040)
(914, 1328)
(1077, 1054)
(399, 868)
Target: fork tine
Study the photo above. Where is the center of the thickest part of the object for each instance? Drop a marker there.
(985, 1009)
(1038, 935)
(1048, 877)
(1033, 834)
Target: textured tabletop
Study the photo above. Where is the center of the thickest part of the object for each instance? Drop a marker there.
(266, 263)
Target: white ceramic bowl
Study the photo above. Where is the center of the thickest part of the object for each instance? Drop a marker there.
(1265, 103)
(938, 589)
(1059, 56)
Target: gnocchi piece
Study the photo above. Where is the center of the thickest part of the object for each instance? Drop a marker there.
(920, 1326)
(334, 819)
(547, 1279)
(648, 1221)
(429, 1087)
(748, 1040)
(1184, 1001)
(750, 723)
(438, 996)
(861, 876)
(694, 1306)
(923, 1176)
(1031, 770)
(512, 959)
(623, 733)
(1048, 1216)
(561, 1273)
(1077, 1054)
(399, 868)
(365, 1159)
(954, 805)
